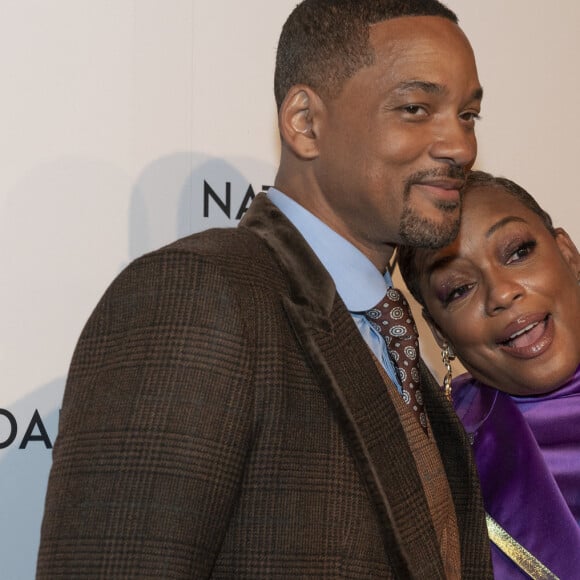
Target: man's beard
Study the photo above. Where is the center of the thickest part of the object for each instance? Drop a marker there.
(422, 232)
(419, 231)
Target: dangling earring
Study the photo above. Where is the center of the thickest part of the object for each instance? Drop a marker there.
(447, 355)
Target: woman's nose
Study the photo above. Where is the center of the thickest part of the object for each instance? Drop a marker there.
(503, 291)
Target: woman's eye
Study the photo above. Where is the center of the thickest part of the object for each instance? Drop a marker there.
(522, 251)
(456, 293)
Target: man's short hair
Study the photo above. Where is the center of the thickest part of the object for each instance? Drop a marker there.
(407, 255)
(325, 42)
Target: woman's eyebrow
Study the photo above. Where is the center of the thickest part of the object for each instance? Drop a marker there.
(503, 222)
(439, 263)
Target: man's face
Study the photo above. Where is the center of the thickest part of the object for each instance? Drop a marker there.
(394, 144)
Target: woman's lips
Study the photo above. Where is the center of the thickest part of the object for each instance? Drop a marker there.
(530, 339)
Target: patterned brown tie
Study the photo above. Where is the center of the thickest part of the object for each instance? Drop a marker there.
(392, 318)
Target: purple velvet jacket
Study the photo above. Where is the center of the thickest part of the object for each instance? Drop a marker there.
(527, 451)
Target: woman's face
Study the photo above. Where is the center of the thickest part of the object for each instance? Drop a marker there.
(505, 295)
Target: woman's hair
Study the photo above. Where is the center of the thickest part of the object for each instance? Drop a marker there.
(407, 255)
(325, 42)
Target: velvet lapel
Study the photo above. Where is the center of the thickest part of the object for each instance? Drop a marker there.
(346, 371)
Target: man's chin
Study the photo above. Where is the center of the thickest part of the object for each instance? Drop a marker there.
(428, 233)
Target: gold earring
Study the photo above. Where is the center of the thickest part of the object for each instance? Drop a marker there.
(447, 355)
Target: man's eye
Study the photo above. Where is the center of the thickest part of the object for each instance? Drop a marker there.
(470, 116)
(414, 109)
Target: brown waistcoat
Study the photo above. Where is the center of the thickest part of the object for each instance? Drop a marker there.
(434, 482)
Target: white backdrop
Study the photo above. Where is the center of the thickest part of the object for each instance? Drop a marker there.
(118, 118)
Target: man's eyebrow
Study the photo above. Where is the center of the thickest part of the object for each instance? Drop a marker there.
(477, 94)
(432, 88)
(425, 86)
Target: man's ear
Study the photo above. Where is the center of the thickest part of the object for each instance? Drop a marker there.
(568, 250)
(299, 121)
(437, 334)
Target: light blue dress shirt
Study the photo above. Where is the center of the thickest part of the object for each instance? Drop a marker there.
(358, 282)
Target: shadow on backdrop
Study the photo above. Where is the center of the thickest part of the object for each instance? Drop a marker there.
(186, 193)
(24, 476)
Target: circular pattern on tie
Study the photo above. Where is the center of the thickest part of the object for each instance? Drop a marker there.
(415, 375)
(393, 320)
(396, 312)
(393, 294)
(398, 331)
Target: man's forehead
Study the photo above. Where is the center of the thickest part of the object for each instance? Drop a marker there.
(421, 35)
(414, 26)
(425, 53)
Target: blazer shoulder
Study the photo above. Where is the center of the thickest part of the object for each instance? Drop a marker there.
(233, 243)
(230, 251)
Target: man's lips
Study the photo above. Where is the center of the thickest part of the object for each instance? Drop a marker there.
(443, 189)
(528, 336)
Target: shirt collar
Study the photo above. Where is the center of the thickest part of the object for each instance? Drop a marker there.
(358, 282)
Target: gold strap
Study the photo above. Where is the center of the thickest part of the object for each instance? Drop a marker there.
(517, 553)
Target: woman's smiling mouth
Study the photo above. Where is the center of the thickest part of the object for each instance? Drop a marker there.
(528, 338)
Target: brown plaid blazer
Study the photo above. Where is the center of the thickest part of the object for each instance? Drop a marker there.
(223, 418)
